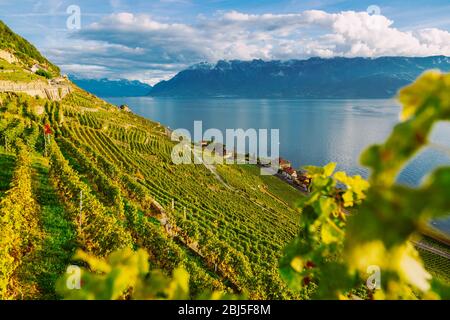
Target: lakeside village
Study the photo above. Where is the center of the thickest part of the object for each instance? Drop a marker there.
(297, 178)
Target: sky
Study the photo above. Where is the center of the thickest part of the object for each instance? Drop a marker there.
(152, 40)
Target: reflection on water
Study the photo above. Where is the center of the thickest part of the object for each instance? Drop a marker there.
(312, 132)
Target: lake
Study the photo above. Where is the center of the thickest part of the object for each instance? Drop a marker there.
(312, 132)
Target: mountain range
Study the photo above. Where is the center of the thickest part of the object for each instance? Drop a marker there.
(312, 78)
(113, 88)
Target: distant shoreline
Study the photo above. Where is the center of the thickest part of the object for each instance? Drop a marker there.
(187, 98)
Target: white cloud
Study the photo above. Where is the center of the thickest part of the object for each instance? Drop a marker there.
(84, 69)
(134, 42)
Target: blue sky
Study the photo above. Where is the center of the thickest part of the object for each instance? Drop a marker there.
(152, 40)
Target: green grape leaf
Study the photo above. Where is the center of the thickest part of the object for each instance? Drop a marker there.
(330, 233)
(378, 231)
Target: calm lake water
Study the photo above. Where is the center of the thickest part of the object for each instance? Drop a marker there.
(312, 132)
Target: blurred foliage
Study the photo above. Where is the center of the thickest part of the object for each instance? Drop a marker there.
(126, 274)
(336, 248)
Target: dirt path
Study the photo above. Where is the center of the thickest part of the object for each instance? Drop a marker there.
(212, 169)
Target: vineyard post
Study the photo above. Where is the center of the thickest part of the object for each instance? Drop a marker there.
(81, 210)
(173, 204)
(45, 145)
(184, 213)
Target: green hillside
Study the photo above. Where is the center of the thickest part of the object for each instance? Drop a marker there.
(228, 233)
(23, 50)
(104, 180)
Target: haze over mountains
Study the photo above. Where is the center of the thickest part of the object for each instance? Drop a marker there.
(113, 88)
(313, 78)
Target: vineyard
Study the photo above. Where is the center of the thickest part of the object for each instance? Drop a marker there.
(103, 181)
(83, 182)
(114, 186)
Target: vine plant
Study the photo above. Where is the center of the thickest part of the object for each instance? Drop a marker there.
(347, 233)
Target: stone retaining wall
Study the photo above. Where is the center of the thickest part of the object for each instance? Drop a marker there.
(40, 89)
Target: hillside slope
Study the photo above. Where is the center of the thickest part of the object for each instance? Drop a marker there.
(25, 52)
(103, 179)
(312, 78)
(134, 196)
